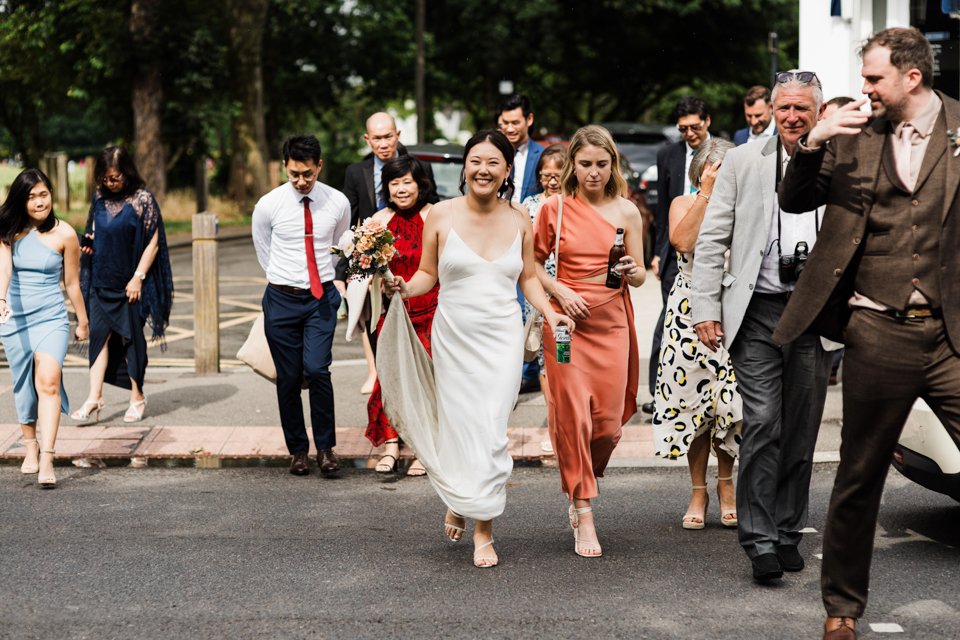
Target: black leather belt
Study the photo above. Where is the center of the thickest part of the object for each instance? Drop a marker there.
(783, 296)
(911, 313)
(294, 291)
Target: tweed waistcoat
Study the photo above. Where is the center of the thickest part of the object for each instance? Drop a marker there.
(902, 239)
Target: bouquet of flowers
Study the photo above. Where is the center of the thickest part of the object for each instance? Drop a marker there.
(368, 248)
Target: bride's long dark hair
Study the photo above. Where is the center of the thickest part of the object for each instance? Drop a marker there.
(497, 139)
(13, 212)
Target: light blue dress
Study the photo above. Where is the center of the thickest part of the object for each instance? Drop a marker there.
(38, 323)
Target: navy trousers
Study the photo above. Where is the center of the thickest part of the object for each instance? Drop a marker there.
(299, 330)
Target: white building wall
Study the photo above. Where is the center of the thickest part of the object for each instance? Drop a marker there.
(828, 44)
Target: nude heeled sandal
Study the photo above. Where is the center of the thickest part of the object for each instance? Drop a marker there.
(581, 548)
(485, 562)
(695, 521)
(31, 458)
(452, 531)
(47, 480)
(135, 411)
(728, 517)
(83, 413)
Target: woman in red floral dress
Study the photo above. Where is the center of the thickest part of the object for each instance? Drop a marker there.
(406, 189)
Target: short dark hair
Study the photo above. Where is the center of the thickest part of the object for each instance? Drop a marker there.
(301, 149)
(756, 92)
(517, 101)
(691, 106)
(909, 49)
(399, 167)
(839, 101)
(120, 159)
(13, 211)
(497, 139)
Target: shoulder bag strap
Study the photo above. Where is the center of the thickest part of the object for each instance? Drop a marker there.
(556, 247)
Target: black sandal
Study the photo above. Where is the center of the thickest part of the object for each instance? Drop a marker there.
(384, 467)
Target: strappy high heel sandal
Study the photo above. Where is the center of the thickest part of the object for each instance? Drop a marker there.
(582, 548)
(728, 517)
(385, 466)
(416, 469)
(451, 530)
(87, 409)
(31, 457)
(47, 479)
(135, 411)
(693, 520)
(484, 561)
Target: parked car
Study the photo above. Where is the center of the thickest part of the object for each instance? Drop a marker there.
(927, 454)
(446, 160)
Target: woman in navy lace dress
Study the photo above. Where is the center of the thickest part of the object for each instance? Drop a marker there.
(126, 281)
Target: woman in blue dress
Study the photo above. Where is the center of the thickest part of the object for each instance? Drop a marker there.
(126, 280)
(35, 248)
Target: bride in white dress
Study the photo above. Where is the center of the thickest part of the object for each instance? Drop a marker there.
(479, 247)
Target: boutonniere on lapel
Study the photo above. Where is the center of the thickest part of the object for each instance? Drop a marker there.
(954, 142)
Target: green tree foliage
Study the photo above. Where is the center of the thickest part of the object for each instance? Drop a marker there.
(603, 60)
(66, 68)
(58, 59)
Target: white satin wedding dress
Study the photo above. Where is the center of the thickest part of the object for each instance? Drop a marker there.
(456, 419)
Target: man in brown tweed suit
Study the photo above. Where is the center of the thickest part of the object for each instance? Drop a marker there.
(883, 279)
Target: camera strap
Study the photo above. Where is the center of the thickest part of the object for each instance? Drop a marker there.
(816, 212)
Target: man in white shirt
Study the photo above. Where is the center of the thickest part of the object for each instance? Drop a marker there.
(294, 227)
(515, 120)
(758, 112)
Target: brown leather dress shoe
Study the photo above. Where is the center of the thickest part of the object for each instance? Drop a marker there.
(300, 465)
(840, 629)
(329, 464)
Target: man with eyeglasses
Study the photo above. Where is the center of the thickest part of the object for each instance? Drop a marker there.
(294, 227)
(886, 277)
(758, 112)
(748, 257)
(673, 165)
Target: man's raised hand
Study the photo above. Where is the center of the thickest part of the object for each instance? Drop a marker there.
(845, 121)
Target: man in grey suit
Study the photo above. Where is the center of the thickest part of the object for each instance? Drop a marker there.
(886, 277)
(783, 386)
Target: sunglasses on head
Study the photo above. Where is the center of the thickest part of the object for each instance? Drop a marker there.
(806, 77)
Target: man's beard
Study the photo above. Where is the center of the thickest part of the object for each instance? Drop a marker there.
(892, 111)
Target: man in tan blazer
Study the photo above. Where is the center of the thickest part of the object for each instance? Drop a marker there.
(883, 279)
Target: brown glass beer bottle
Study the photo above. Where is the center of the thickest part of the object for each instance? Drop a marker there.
(617, 251)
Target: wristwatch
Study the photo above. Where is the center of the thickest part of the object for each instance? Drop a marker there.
(140, 274)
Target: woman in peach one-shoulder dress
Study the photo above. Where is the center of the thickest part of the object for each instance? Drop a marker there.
(592, 396)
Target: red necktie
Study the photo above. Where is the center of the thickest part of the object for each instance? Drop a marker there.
(316, 287)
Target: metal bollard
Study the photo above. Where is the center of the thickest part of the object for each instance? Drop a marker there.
(206, 294)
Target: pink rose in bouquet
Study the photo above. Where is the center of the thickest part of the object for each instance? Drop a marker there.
(368, 249)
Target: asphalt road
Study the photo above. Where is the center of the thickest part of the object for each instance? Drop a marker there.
(184, 553)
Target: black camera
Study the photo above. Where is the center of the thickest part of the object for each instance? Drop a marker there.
(791, 266)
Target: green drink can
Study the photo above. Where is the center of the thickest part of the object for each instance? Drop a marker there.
(562, 338)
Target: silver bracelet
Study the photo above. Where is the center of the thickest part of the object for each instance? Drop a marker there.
(703, 195)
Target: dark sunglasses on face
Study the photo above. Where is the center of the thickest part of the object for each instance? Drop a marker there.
(696, 128)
